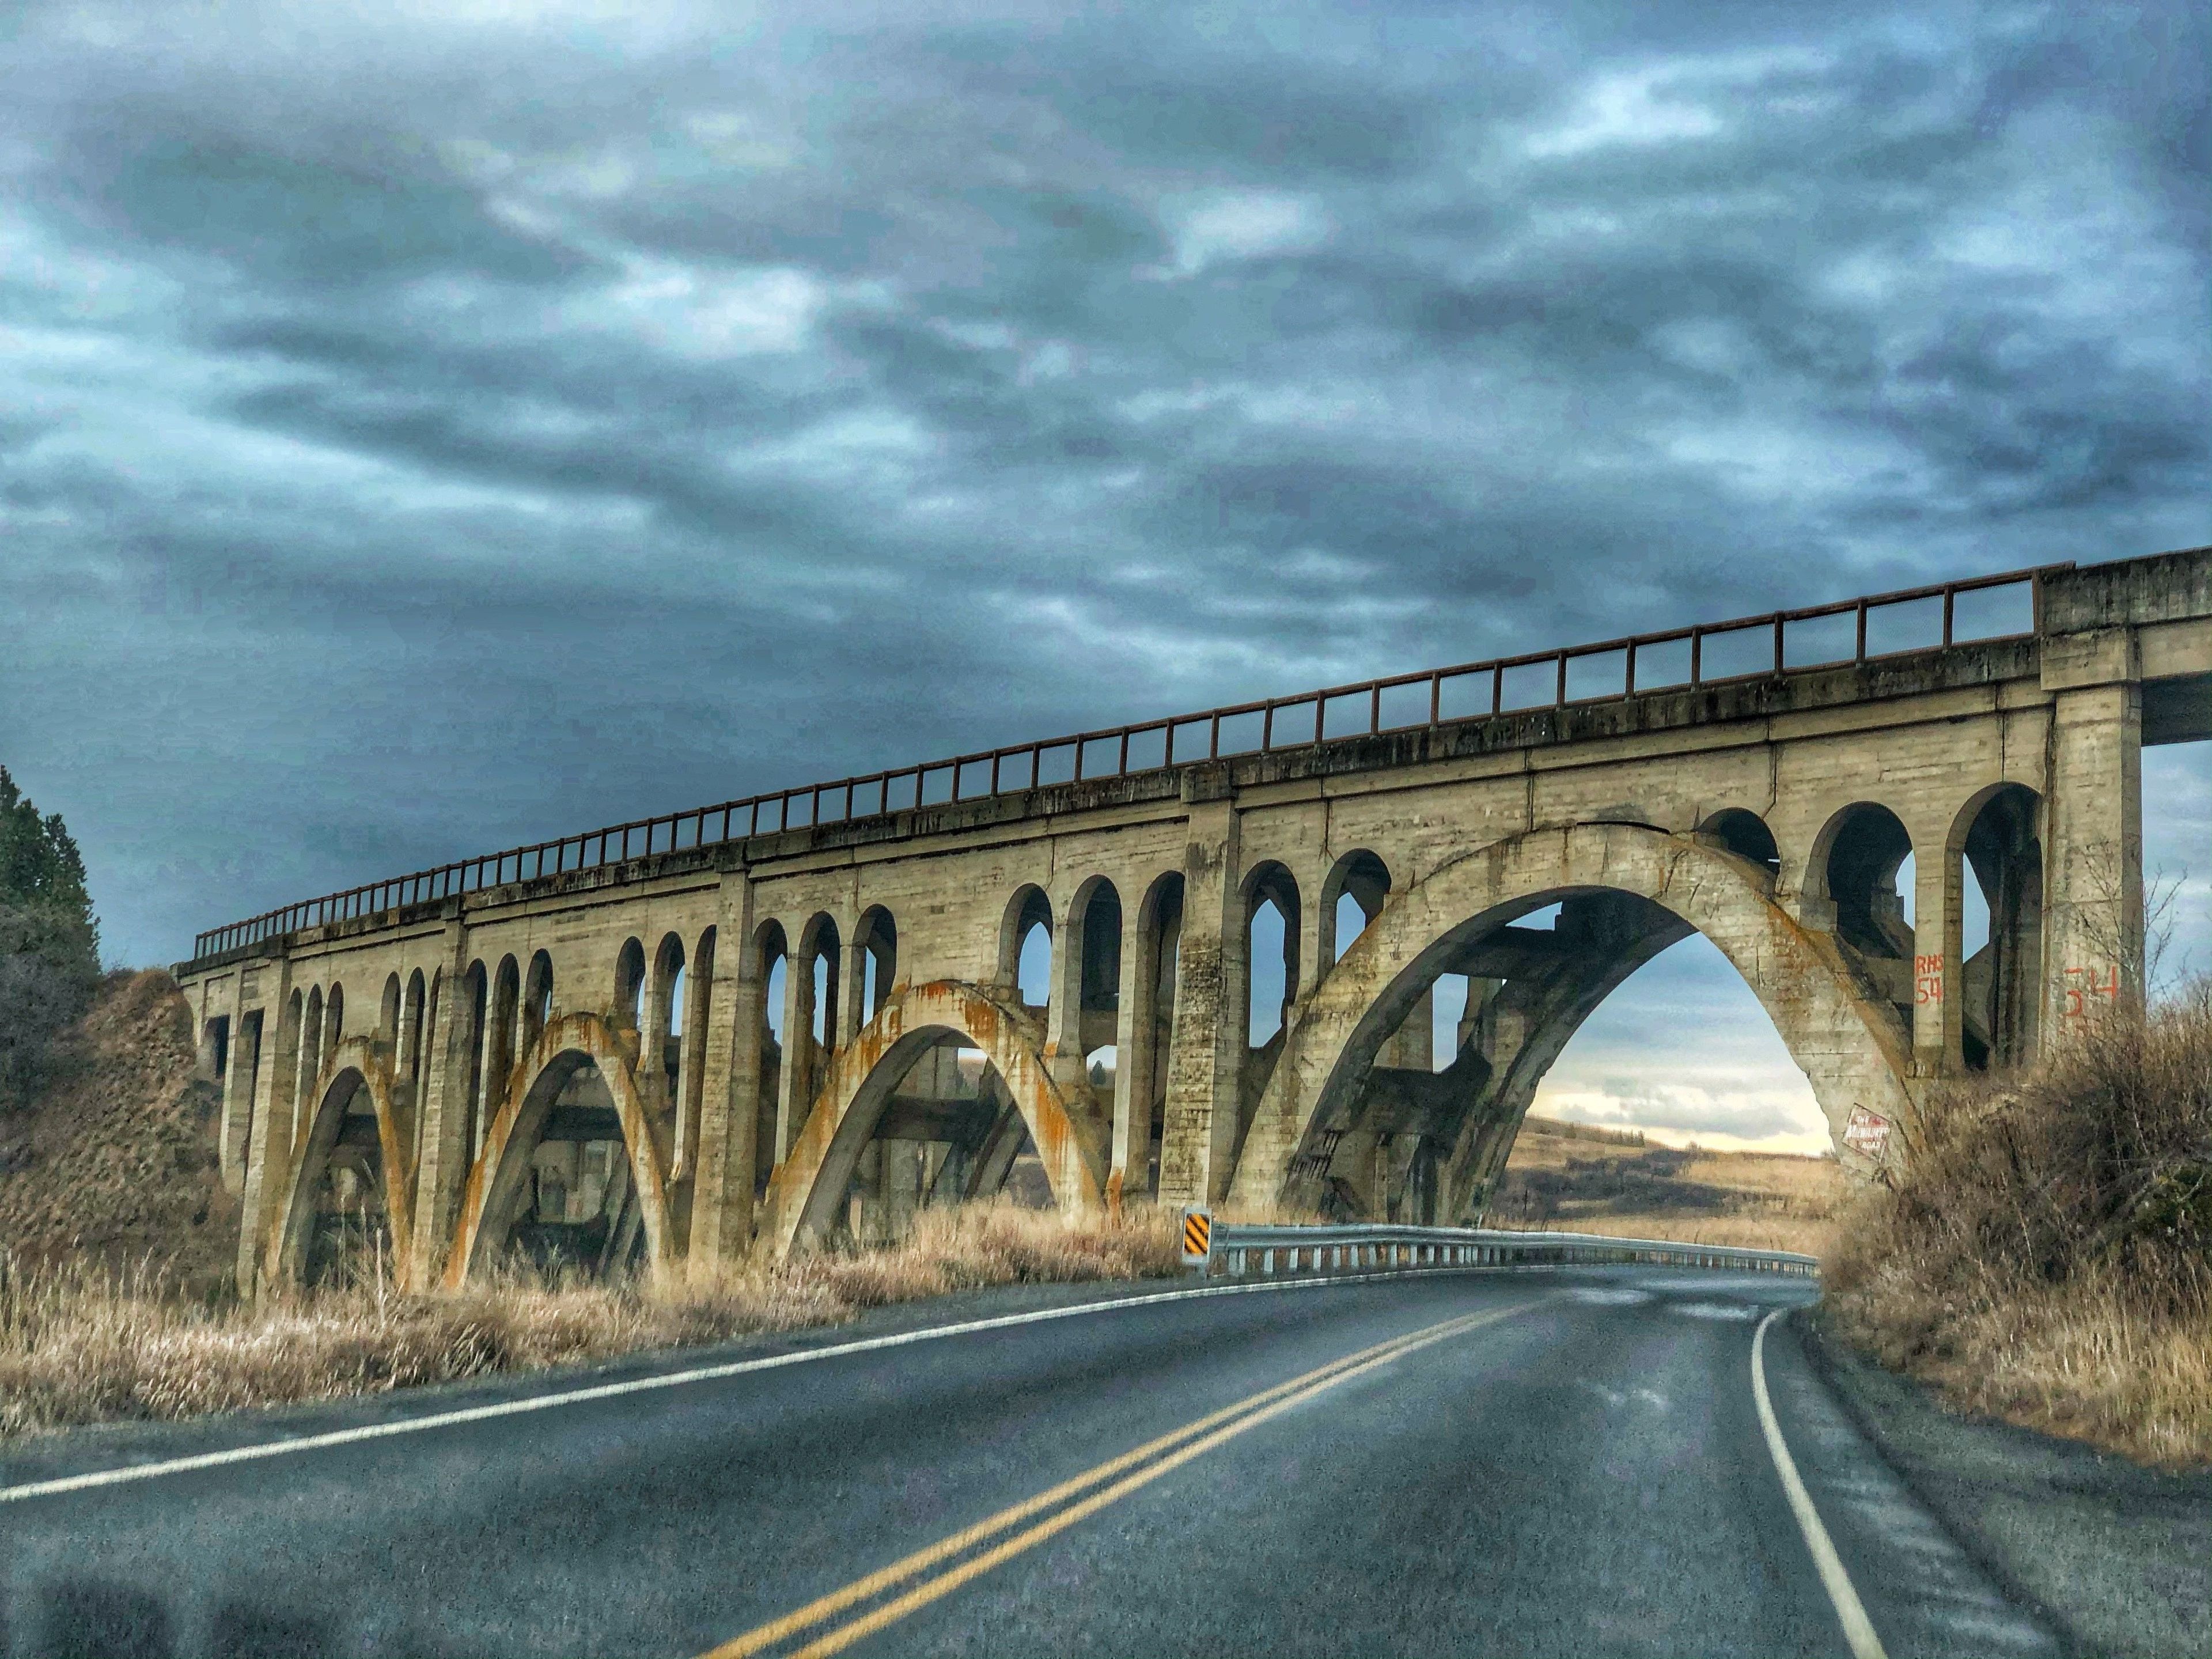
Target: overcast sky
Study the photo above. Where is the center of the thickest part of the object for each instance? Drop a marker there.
(426, 428)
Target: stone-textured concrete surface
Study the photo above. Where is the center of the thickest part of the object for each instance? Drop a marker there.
(1583, 1475)
(711, 1015)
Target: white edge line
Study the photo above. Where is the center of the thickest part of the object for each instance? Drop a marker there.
(1858, 1629)
(116, 1477)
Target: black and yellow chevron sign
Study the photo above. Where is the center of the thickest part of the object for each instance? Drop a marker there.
(1197, 1235)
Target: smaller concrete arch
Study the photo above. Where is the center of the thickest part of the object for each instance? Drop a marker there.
(1027, 909)
(768, 965)
(629, 1004)
(476, 1012)
(357, 1065)
(1270, 884)
(1853, 870)
(333, 1017)
(1361, 876)
(816, 962)
(661, 1056)
(1997, 836)
(875, 950)
(308, 1061)
(536, 1000)
(1091, 946)
(496, 1179)
(803, 1195)
(387, 1016)
(415, 1020)
(1740, 831)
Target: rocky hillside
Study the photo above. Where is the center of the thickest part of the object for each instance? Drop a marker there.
(114, 1165)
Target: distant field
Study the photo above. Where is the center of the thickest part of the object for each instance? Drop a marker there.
(1562, 1177)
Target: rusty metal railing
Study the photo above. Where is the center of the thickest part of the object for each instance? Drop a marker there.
(1878, 626)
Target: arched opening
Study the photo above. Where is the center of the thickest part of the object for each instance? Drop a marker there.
(387, 1016)
(1159, 943)
(1349, 1127)
(692, 998)
(772, 956)
(334, 1020)
(414, 1017)
(949, 1134)
(339, 1228)
(810, 1196)
(310, 1063)
(500, 1039)
(536, 1001)
(877, 940)
(630, 985)
(1025, 947)
(1859, 860)
(476, 989)
(1746, 835)
(1351, 898)
(1097, 907)
(811, 1031)
(2001, 933)
(661, 1056)
(563, 1190)
(579, 1212)
(1271, 975)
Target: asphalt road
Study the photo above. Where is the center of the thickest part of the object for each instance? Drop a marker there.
(1561, 1461)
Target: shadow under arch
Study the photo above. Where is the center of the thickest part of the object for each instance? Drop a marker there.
(356, 1065)
(1842, 1041)
(803, 1195)
(489, 1202)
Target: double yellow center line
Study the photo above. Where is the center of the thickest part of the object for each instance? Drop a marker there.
(1063, 1506)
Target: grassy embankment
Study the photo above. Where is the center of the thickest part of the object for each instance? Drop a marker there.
(1578, 1179)
(116, 1238)
(2046, 1253)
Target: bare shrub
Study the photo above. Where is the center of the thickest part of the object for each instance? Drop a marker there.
(2047, 1253)
(77, 1345)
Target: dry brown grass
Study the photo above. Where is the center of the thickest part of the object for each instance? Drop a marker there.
(1755, 1200)
(1746, 1231)
(2046, 1256)
(79, 1347)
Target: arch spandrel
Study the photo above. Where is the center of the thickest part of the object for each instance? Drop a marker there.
(356, 1062)
(1064, 1122)
(537, 1080)
(1849, 1053)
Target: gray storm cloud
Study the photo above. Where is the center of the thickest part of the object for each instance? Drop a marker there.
(424, 431)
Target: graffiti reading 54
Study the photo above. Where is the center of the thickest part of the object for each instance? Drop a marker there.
(1928, 978)
(2097, 980)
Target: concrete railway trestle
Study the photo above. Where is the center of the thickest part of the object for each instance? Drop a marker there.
(801, 1015)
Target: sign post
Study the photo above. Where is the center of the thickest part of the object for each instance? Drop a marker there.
(1197, 1237)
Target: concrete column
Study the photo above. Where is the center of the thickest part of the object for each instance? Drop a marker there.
(269, 1150)
(443, 1176)
(730, 1080)
(1206, 1049)
(2093, 882)
(1129, 1150)
(1063, 1014)
(1938, 920)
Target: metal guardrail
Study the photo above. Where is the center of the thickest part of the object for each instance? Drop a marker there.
(1270, 1251)
(1878, 626)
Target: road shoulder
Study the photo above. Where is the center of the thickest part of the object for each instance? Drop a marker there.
(2114, 1553)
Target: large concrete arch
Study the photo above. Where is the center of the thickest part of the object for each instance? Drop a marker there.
(806, 1188)
(565, 1046)
(1850, 1051)
(355, 1063)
